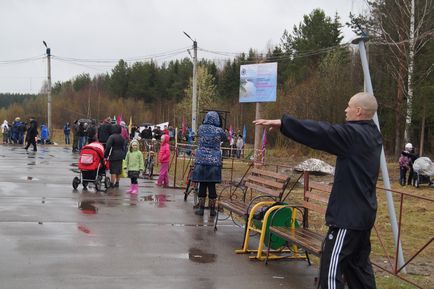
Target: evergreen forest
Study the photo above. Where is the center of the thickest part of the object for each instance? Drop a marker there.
(317, 74)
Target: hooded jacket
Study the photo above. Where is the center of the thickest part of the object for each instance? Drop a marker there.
(44, 132)
(210, 136)
(164, 154)
(134, 159)
(114, 150)
(5, 126)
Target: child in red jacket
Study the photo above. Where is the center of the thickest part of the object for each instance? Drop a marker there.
(163, 159)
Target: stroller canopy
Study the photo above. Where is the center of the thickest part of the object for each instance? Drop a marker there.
(91, 156)
(424, 166)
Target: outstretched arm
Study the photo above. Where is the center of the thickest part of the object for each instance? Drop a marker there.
(271, 123)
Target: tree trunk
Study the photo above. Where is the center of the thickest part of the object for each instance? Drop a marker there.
(399, 113)
(422, 131)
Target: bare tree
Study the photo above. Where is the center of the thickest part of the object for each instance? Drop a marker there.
(404, 28)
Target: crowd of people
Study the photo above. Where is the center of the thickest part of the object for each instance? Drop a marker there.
(20, 132)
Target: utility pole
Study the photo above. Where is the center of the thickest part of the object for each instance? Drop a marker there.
(383, 165)
(194, 96)
(48, 51)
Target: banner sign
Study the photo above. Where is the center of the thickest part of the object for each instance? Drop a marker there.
(258, 82)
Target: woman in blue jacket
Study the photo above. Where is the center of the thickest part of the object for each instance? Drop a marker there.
(208, 164)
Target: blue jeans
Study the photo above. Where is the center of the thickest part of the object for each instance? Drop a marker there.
(67, 139)
(81, 142)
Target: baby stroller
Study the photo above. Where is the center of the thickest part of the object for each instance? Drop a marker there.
(423, 170)
(92, 166)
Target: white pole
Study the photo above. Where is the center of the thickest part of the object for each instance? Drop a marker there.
(194, 100)
(409, 112)
(383, 164)
(49, 92)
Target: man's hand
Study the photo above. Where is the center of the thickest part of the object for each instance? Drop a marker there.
(271, 123)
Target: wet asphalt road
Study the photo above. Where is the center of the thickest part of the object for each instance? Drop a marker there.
(54, 237)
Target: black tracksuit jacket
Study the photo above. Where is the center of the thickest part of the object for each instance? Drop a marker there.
(357, 145)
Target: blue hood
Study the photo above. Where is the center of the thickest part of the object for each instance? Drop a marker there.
(212, 118)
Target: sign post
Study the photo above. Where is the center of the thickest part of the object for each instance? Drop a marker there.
(258, 84)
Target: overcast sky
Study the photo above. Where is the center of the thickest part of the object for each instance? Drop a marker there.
(137, 29)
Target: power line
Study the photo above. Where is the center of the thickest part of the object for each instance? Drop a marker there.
(22, 60)
(129, 59)
(281, 56)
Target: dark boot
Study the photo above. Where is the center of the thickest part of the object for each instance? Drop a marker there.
(199, 211)
(212, 211)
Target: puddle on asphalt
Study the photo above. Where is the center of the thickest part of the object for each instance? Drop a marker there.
(88, 207)
(29, 178)
(159, 199)
(84, 229)
(198, 256)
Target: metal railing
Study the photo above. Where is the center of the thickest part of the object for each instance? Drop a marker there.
(413, 246)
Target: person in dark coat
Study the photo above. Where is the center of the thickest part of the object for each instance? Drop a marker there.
(82, 134)
(412, 176)
(104, 131)
(31, 135)
(208, 163)
(352, 205)
(91, 132)
(146, 133)
(114, 152)
(75, 127)
(157, 133)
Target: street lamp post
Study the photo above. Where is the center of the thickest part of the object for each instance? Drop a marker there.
(194, 97)
(360, 41)
(48, 51)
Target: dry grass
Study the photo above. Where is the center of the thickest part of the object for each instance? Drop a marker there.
(416, 229)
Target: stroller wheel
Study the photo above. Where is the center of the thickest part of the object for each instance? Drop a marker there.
(98, 183)
(75, 182)
(107, 183)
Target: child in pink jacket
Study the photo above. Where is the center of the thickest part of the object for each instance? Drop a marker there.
(163, 159)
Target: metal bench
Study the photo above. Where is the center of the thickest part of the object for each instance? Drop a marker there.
(315, 200)
(249, 195)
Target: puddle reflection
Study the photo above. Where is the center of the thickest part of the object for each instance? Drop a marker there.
(88, 207)
(198, 256)
(159, 199)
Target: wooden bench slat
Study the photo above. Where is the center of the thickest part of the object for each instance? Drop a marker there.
(269, 174)
(304, 238)
(320, 187)
(315, 207)
(311, 243)
(262, 189)
(321, 197)
(268, 182)
(237, 207)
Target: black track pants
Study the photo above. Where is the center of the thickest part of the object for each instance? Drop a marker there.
(346, 253)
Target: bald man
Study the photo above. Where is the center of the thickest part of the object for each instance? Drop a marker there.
(352, 205)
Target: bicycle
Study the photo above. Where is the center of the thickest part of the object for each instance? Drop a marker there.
(192, 187)
(149, 161)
